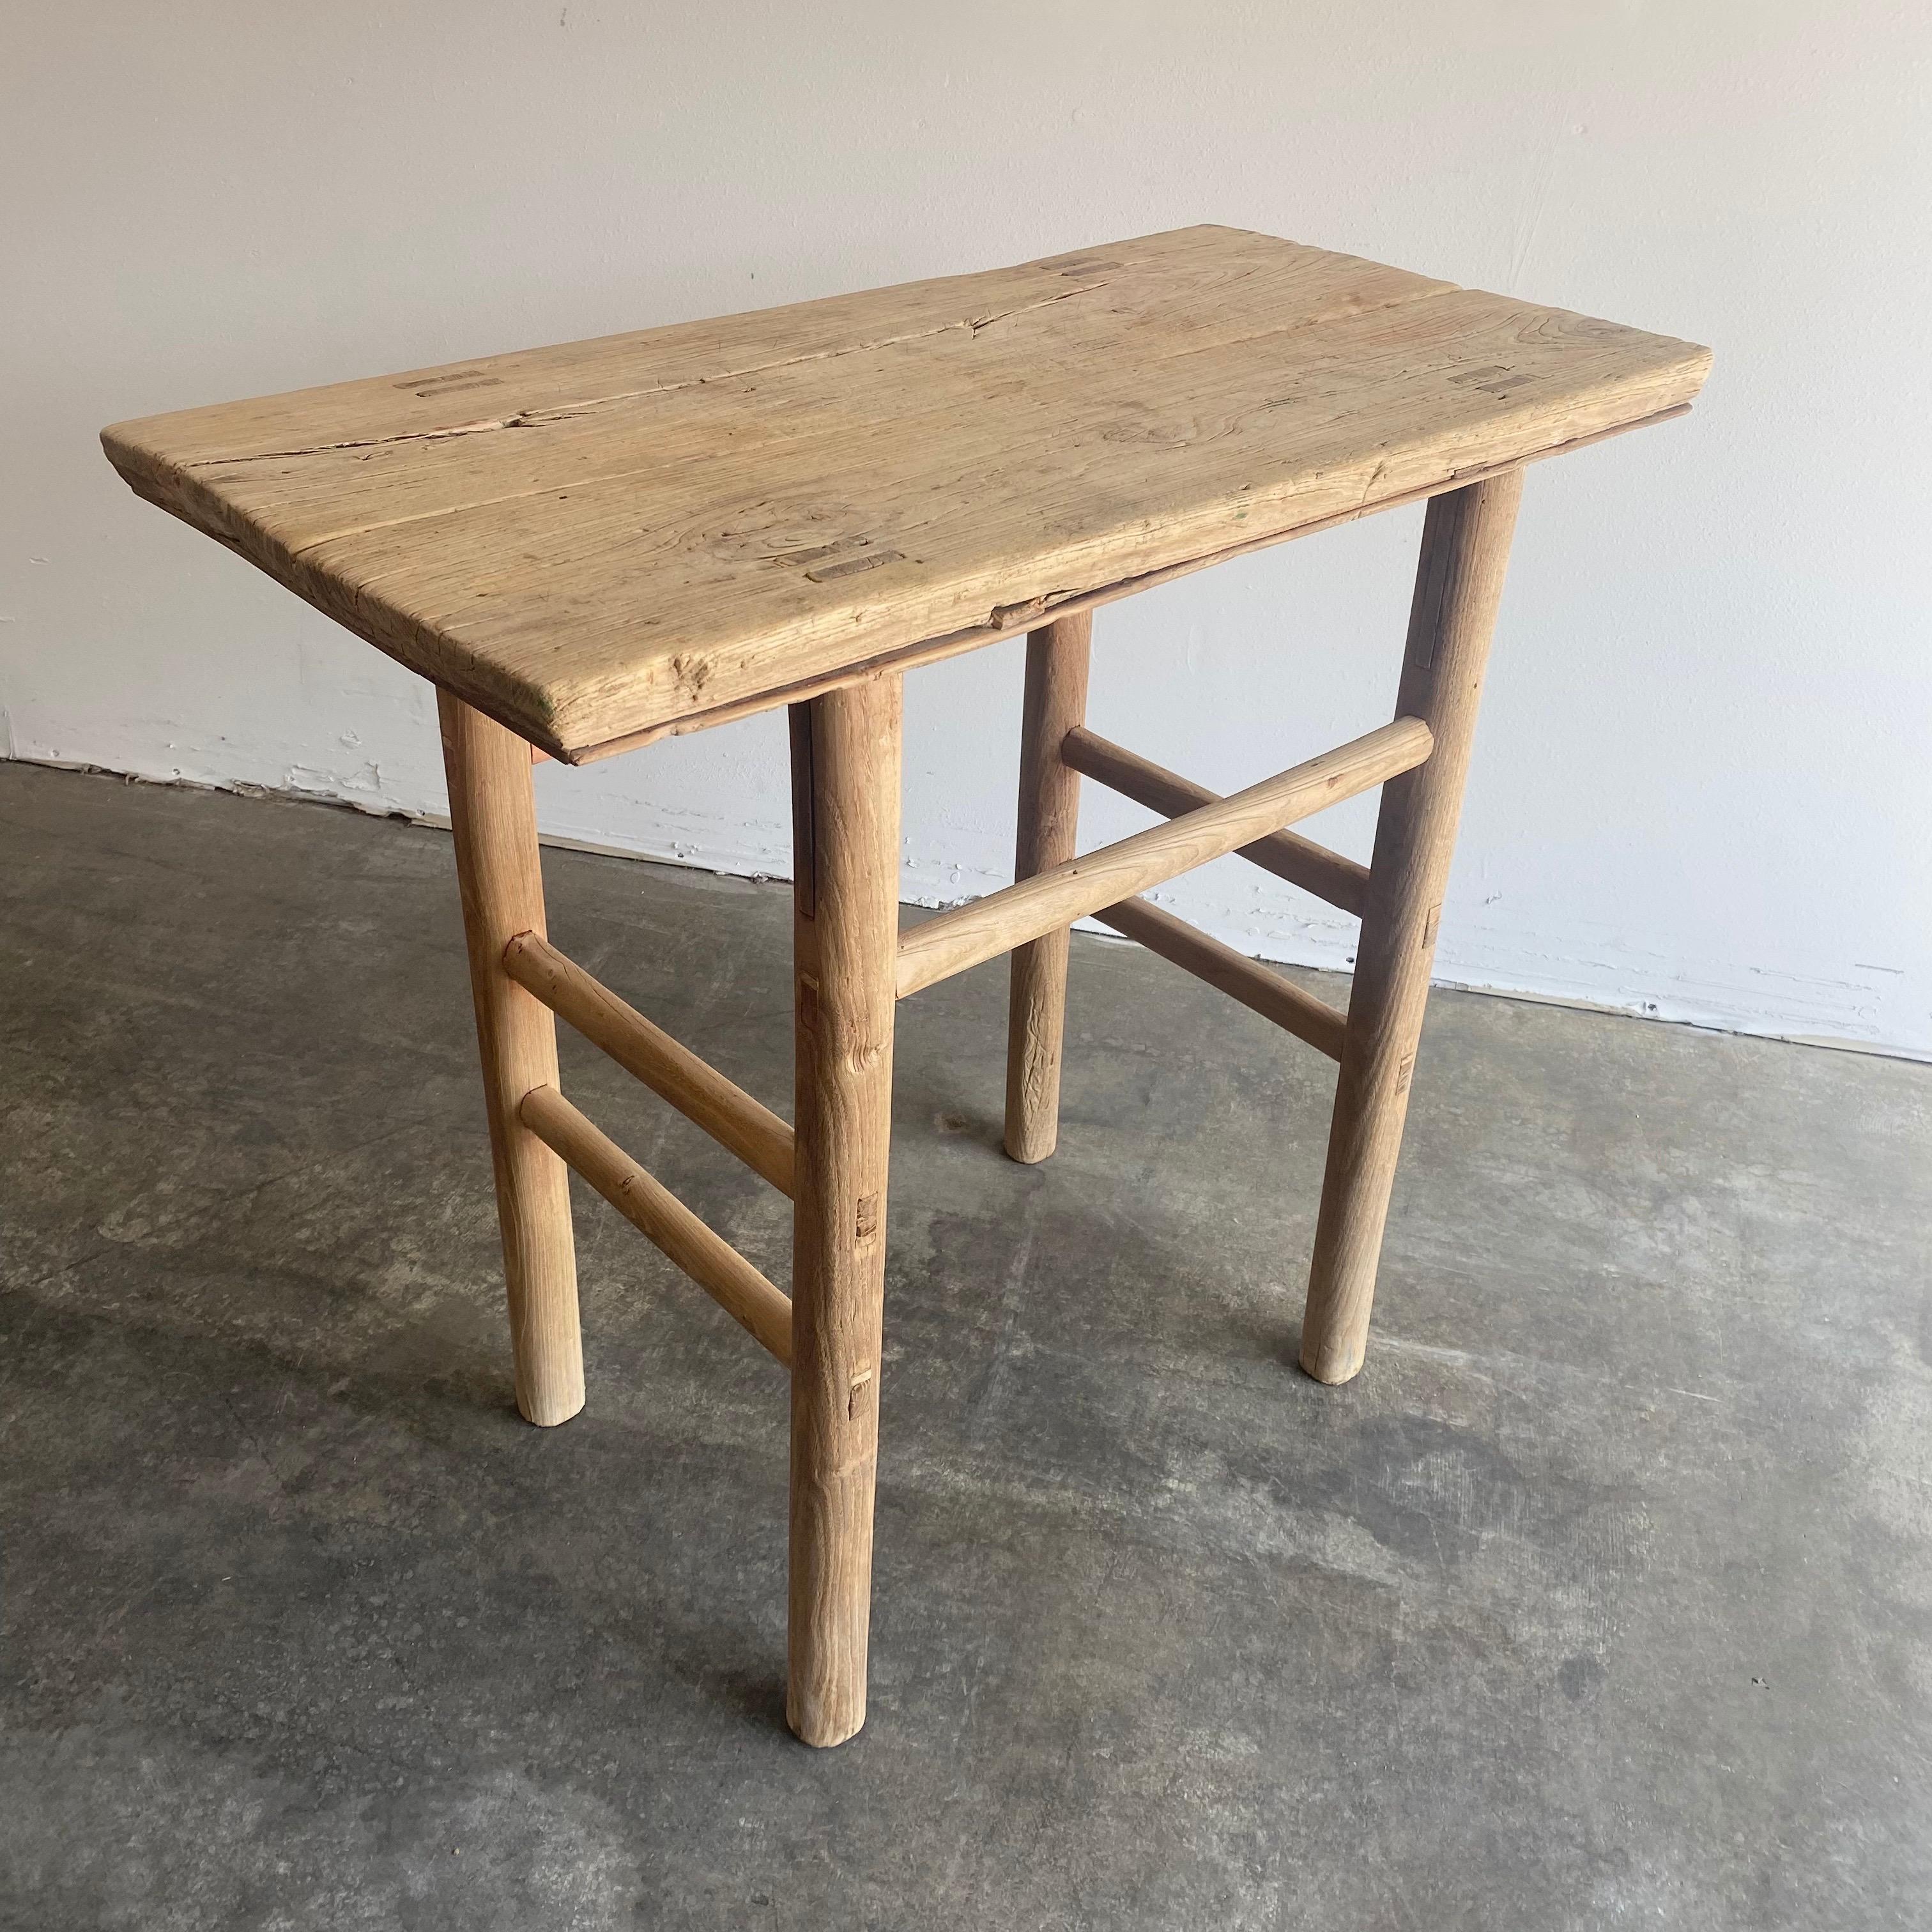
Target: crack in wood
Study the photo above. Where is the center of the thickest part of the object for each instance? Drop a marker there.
(563, 413)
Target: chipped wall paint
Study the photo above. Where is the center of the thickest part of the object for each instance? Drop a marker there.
(1704, 777)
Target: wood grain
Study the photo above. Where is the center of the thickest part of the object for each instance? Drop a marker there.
(1010, 620)
(845, 754)
(1232, 973)
(1057, 659)
(700, 1251)
(963, 937)
(1459, 583)
(1341, 881)
(599, 541)
(732, 1117)
(493, 813)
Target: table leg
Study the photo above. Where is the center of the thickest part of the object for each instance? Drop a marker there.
(1465, 542)
(494, 815)
(1049, 811)
(845, 792)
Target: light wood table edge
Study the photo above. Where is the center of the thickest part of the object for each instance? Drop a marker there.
(524, 710)
(1013, 621)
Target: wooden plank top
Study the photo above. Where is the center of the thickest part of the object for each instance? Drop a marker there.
(600, 542)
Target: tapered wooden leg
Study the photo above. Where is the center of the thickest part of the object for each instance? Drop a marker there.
(1465, 542)
(1056, 701)
(494, 817)
(845, 792)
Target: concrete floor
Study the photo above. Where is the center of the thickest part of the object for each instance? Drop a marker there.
(1603, 1598)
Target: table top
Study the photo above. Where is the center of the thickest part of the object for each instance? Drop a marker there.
(600, 542)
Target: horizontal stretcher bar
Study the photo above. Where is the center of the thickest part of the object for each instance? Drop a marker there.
(703, 1254)
(726, 1112)
(1056, 897)
(1266, 993)
(1302, 862)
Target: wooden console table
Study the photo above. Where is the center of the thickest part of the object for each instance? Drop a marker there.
(588, 547)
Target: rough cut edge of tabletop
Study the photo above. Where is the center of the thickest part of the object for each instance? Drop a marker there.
(1011, 621)
(165, 459)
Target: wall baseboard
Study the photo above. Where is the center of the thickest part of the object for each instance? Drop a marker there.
(1636, 1009)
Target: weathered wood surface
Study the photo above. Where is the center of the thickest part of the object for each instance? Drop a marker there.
(602, 541)
(699, 1249)
(1241, 978)
(696, 1088)
(846, 750)
(493, 815)
(953, 941)
(1458, 585)
(1059, 657)
(1300, 861)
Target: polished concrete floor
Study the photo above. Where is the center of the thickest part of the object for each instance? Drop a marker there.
(1603, 1598)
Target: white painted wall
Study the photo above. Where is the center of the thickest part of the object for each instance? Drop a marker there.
(1703, 786)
